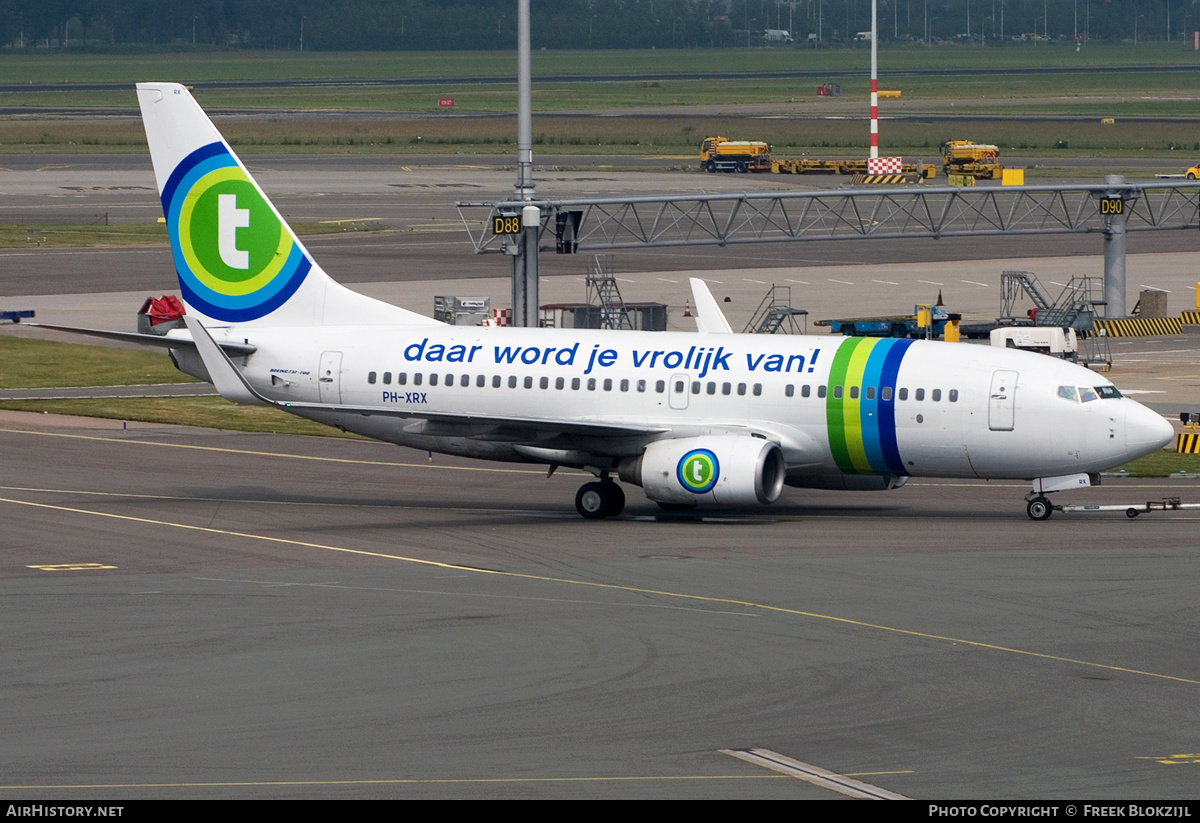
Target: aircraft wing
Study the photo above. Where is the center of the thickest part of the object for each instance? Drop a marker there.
(709, 317)
(233, 386)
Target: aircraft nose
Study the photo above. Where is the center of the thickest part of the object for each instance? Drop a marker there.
(1145, 431)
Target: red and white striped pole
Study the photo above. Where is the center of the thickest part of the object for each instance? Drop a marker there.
(874, 84)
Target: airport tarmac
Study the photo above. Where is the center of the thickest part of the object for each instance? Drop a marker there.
(194, 613)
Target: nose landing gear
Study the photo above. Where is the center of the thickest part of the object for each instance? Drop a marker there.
(1039, 508)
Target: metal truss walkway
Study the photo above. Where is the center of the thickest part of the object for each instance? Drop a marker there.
(604, 223)
(592, 224)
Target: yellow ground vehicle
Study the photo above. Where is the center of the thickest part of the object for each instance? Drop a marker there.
(980, 160)
(723, 154)
(1193, 173)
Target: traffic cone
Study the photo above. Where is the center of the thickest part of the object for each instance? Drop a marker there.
(687, 308)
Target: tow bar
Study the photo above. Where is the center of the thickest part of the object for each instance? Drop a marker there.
(1168, 504)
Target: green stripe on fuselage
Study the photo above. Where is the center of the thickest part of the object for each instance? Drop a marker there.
(843, 415)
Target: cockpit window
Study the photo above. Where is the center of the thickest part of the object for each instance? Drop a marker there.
(1086, 394)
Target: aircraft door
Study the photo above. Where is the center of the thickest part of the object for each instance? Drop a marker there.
(678, 391)
(1001, 401)
(329, 377)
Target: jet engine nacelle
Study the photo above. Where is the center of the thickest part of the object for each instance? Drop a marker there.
(730, 469)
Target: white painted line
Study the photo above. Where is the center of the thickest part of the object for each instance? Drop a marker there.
(759, 282)
(801, 282)
(975, 283)
(667, 280)
(886, 282)
(843, 282)
(813, 774)
(931, 282)
(1154, 288)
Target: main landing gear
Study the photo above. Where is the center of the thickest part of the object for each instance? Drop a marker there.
(595, 501)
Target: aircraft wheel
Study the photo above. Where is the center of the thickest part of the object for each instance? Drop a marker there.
(1039, 508)
(1131, 513)
(616, 499)
(591, 501)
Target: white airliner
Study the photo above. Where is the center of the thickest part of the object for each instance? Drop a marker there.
(708, 418)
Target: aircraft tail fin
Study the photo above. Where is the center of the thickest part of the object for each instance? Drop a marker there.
(237, 259)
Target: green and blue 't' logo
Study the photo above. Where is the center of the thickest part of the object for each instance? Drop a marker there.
(698, 471)
(236, 260)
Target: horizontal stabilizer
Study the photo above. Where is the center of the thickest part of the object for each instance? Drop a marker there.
(156, 340)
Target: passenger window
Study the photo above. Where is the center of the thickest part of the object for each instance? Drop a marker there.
(608, 384)
(953, 395)
(512, 381)
(886, 394)
(433, 379)
(559, 382)
(712, 387)
(528, 381)
(789, 390)
(660, 386)
(870, 392)
(920, 394)
(695, 387)
(805, 390)
(726, 388)
(937, 395)
(741, 389)
(480, 381)
(387, 378)
(758, 389)
(854, 392)
(679, 387)
(820, 391)
(574, 384)
(449, 380)
(401, 378)
(591, 384)
(371, 377)
(544, 383)
(837, 392)
(624, 385)
(465, 381)
(904, 394)
(417, 379)
(495, 381)
(641, 385)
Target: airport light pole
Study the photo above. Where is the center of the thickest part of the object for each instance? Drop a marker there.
(524, 247)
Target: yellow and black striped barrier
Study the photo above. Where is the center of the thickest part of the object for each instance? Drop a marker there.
(870, 179)
(1190, 318)
(1139, 326)
(1188, 442)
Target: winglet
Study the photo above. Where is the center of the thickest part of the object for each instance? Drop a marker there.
(229, 382)
(709, 317)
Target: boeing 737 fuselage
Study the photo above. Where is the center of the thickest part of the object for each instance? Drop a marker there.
(708, 418)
